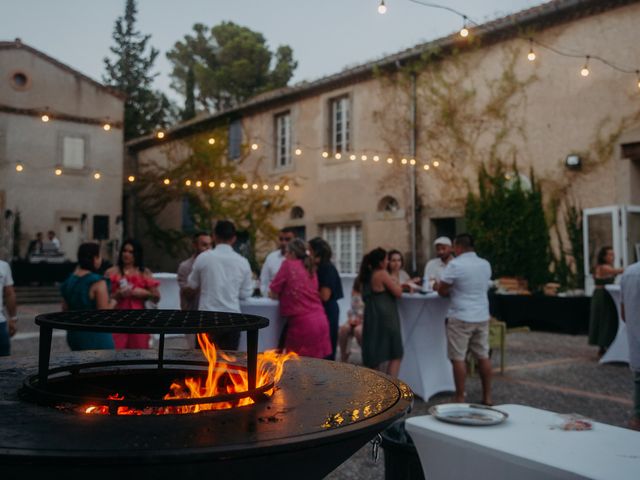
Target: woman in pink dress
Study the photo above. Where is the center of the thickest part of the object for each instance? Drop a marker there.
(296, 287)
(131, 286)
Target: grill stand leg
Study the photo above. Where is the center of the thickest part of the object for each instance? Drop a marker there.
(252, 357)
(44, 354)
(161, 351)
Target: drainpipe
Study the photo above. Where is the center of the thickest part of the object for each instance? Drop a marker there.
(412, 172)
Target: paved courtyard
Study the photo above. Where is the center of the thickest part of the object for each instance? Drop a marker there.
(545, 370)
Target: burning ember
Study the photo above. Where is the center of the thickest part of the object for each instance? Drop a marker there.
(222, 378)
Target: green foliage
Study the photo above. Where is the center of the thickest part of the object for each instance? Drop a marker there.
(189, 96)
(130, 73)
(250, 209)
(17, 234)
(231, 64)
(569, 262)
(507, 220)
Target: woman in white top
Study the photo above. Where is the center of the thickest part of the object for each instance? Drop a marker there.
(394, 267)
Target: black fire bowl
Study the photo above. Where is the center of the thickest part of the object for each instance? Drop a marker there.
(321, 413)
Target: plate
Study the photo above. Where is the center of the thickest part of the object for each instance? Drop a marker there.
(468, 414)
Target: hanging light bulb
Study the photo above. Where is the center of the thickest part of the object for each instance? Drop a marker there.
(412, 161)
(532, 55)
(363, 158)
(106, 127)
(131, 178)
(212, 184)
(245, 186)
(325, 154)
(254, 186)
(276, 188)
(233, 185)
(638, 74)
(160, 134)
(338, 156)
(198, 184)
(298, 151)
(19, 167)
(436, 163)
(382, 8)
(403, 161)
(45, 118)
(223, 184)
(286, 188)
(464, 31)
(187, 183)
(585, 69)
(389, 160)
(254, 146)
(426, 167)
(58, 172)
(212, 141)
(265, 187)
(376, 158)
(166, 181)
(97, 175)
(352, 157)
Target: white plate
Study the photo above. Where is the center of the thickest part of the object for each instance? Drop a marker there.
(468, 414)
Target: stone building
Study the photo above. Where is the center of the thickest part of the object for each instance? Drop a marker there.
(61, 149)
(350, 139)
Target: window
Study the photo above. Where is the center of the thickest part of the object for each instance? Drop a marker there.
(346, 243)
(296, 213)
(20, 81)
(340, 124)
(388, 204)
(283, 140)
(73, 152)
(235, 139)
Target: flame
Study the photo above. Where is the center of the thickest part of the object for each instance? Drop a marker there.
(222, 378)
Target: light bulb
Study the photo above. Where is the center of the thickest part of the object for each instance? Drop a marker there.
(131, 178)
(96, 175)
(426, 167)
(352, 157)
(198, 183)
(212, 141)
(19, 167)
(223, 184)
(166, 181)
(585, 70)
(58, 171)
(254, 146)
(338, 156)
(265, 187)
(325, 154)
(160, 135)
(389, 160)
(245, 186)
(376, 158)
(436, 163)
(464, 32)
(106, 127)
(212, 184)
(276, 188)
(531, 56)
(382, 8)
(298, 152)
(254, 186)
(286, 188)
(44, 118)
(233, 185)
(363, 158)
(412, 161)
(403, 161)
(187, 183)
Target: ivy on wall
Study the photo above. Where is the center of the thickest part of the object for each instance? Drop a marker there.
(197, 160)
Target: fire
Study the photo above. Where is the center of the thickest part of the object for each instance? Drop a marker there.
(222, 378)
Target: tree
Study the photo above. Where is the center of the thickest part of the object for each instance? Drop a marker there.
(191, 165)
(130, 73)
(231, 64)
(507, 220)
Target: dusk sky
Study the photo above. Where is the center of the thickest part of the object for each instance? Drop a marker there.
(326, 36)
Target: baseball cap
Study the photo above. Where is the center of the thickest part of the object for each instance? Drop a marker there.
(442, 241)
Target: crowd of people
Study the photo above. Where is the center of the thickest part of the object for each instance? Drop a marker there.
(302, 277)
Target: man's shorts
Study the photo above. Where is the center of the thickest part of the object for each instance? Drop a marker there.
(462, 335)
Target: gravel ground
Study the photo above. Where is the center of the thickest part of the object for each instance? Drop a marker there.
(545, 370)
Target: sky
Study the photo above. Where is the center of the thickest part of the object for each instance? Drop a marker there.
(326, 35)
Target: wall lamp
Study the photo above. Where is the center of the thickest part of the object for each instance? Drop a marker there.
(573, 161)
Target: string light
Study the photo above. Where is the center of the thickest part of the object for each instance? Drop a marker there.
(532, 55)
(265, 187)
(131, 178)
(585, 69)
(198, 184)
(426, 167)
(363, 158)
(382, 8)
(276, 188)
(376, 158)
(245, 186)
(58, 171)
(166, 181)
(403, 161)
(352, 157)
(338, 156)
(298, 152)
(212, 141)
(638, 74)
(464, 31)
(389, 160)
(254, 186)
(212, 184)
(45, 118)
(436, 163)
(106, 127)
(160, 134)
(19, 167)
(286, 188)
(412, 161)
(325, 154)
(223, 184)
(254, 146)
(187, 183)
(97, 175)
(233, 185)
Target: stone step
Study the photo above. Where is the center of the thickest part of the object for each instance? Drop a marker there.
(31, 295)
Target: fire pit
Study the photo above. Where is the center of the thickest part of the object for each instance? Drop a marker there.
(317, 416)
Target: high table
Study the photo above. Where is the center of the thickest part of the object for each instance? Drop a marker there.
(618, 351)
(524, 447)
(425, 366)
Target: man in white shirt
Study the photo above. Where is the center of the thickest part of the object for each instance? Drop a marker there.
(466, 280)
(223, 278)
(630, 309)
(8, 327)
(274, 260)
(434, 267)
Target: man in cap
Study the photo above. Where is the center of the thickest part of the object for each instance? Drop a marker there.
(434, 268)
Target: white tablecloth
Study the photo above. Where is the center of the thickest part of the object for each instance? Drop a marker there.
(618, 351)
(425, 366)
(524, 447)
